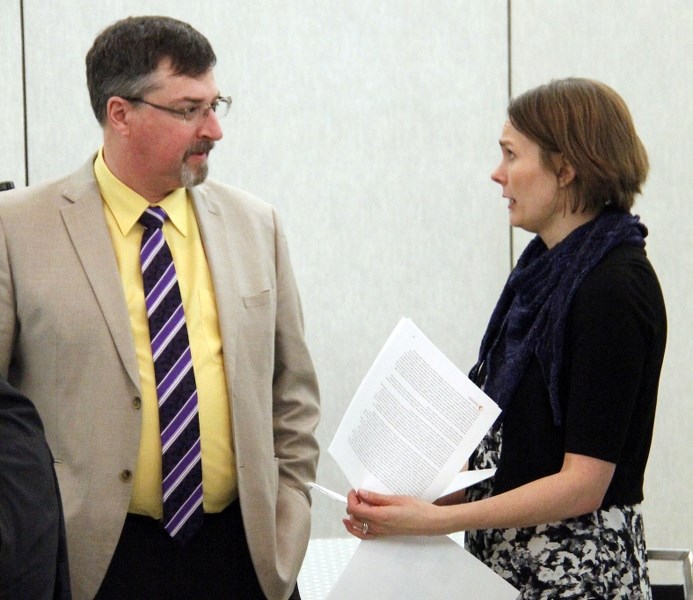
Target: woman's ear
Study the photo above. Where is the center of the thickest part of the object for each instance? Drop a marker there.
(566, 173)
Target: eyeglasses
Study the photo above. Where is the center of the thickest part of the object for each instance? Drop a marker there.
(192, 114)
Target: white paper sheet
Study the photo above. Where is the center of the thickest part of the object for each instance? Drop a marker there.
(328, 492)
(461, 481)
(467, 478)
(413, 421)
(434, 568)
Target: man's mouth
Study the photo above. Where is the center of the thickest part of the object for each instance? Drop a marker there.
(201, 150)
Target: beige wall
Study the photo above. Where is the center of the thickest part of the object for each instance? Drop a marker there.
(373, 127)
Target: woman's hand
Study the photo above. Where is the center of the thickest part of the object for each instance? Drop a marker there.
(374, 515)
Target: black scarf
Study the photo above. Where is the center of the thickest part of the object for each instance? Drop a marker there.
(529, 319)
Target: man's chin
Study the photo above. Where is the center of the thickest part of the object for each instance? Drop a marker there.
(192, 176)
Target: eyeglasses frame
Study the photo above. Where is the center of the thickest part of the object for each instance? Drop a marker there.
(185, 112)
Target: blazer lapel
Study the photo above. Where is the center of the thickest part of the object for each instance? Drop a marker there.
(218, 240)
(86, 224)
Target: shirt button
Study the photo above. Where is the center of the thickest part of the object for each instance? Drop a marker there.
(137, 402)
(125, 475)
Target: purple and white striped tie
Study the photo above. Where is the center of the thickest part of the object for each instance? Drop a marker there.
(175, 382)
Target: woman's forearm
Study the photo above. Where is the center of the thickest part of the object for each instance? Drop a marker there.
(577, 489)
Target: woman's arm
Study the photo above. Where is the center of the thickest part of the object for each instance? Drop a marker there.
(577, 489)
(458, 497)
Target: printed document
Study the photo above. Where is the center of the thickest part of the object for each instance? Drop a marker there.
(411, 426)
(413, 422)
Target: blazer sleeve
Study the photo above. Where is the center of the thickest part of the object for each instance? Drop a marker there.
(295, 386)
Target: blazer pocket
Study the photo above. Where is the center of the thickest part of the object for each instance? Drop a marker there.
(260, 299)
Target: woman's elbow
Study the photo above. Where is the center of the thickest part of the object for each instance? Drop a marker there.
(591, 479)
(591, 502)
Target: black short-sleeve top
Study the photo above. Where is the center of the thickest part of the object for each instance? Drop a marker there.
(614, 347)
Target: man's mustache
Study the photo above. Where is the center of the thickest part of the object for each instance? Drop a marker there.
(204, 147)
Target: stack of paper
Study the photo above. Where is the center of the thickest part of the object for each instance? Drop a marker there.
(412, 424)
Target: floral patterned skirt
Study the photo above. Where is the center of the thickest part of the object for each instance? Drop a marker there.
(599, 555)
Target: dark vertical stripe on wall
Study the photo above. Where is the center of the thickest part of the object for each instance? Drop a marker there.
(510, 48)
(26, 136)
(510, 95)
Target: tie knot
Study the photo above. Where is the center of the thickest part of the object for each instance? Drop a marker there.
(153, 217)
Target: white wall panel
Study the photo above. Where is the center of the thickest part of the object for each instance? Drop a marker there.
(371, 125)
(643, 49)
(373, 129)
(62, 130)
(11, 108)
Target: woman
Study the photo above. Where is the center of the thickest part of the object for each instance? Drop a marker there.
(572, 355)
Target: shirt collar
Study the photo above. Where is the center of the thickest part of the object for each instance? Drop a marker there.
(127, 205)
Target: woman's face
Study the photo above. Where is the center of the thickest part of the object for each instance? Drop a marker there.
(531, 189)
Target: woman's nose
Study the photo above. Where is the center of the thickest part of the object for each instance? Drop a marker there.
(497, 175)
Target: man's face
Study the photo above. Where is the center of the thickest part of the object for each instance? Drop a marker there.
(172, 152)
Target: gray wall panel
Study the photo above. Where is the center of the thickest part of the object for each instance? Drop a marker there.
(374, 134)
(643, 49)
(11, 108)
(372, 127)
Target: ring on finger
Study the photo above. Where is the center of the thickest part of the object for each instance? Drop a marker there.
(364, 528)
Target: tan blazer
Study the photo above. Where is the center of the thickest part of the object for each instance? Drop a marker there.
(65, 341)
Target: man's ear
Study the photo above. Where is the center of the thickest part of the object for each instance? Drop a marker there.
(566, 173)
(118, 114)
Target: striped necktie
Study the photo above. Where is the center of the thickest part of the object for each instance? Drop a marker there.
(175, 382)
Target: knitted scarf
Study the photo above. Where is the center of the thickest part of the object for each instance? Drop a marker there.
(529, 319)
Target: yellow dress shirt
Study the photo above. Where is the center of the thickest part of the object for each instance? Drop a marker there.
(123, 208)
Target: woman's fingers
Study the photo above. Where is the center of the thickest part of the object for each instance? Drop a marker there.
(359, 529)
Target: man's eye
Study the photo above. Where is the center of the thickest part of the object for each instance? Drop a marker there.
(191, 111)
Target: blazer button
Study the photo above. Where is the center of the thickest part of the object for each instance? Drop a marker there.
(125, 475)
(137, 402)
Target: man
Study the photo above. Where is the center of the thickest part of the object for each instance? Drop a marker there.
(33, 555)
(76, 264)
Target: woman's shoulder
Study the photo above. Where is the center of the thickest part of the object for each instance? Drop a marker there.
(625, 268)
(623, 283)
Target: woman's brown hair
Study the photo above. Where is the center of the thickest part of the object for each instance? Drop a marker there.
(588, 125)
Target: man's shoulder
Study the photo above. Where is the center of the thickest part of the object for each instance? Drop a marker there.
(225, 192)
(30, 194)
(40, 194)
(233, 200)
